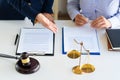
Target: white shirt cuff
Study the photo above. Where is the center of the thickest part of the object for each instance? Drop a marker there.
(115, 22)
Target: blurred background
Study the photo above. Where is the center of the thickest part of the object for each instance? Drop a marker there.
(60, 10)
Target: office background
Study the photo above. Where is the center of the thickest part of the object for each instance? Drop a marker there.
(60, 10)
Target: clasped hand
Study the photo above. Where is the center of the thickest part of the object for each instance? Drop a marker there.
(100, 22)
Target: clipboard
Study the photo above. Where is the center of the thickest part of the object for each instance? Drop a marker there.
(64, 51)
(37, 41)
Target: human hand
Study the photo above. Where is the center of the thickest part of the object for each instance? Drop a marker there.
(46, 22)
(101, 22)
(80, 20)
(49, 16)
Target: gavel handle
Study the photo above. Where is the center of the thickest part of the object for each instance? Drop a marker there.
(8, 56)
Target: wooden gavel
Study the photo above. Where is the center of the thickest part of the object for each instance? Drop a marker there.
(25, 64)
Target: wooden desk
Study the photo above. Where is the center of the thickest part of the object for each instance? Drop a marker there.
(59, 66)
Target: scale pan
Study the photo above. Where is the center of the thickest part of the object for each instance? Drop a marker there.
(74, 54)
(87, 68)
(77, 70)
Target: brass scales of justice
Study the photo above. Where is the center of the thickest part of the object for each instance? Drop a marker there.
(87, 67)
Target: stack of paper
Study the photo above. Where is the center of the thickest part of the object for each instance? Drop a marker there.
(36, 40)
(84, 34)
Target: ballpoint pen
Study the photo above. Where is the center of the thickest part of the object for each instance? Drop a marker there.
(16, 38)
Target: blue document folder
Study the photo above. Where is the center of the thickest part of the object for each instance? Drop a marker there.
(87, 35)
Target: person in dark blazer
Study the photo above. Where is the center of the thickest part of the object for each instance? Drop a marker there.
(36, 10)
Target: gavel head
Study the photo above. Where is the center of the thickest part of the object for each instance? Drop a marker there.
(26, 64)
(25, 60)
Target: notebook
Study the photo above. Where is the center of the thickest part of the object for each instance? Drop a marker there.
(113, 38)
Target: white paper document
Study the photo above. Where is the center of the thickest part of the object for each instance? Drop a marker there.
(84, 34)
(36, 40)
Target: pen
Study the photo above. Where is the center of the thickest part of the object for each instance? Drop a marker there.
(16, 38)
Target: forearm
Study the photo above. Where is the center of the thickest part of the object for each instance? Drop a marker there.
(47, 6)
(115, 20)
(23, 7)
(73, 8)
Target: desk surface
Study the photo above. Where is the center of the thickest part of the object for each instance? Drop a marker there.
(59, 66)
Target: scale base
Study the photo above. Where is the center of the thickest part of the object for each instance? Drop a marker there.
(76, 70)
(28, 70)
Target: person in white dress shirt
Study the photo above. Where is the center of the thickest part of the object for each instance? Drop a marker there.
(102, 13)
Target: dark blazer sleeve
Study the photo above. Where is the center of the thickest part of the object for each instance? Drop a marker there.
(47, 7)
(24, 8)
